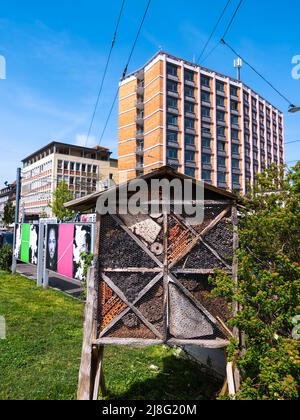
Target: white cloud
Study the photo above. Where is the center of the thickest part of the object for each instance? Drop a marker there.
(82, 140)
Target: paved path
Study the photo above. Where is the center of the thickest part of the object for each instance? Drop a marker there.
(69, 286)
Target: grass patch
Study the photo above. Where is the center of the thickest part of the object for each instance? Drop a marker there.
(40, 358)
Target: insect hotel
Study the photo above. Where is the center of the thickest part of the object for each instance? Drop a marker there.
(150, 281)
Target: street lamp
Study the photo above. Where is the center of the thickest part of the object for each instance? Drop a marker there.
(293, 109)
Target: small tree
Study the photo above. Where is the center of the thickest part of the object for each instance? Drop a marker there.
(268, 291)
(61, 196)
(9, 214)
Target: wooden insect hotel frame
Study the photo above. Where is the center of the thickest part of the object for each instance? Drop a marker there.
(150, 281)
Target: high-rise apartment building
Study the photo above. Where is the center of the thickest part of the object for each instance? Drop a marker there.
(85, 170)
(205, 124)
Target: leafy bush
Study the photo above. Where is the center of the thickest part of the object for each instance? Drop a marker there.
(268, 292)
(5, 258)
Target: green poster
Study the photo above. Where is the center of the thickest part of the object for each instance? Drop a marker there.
(25, 243)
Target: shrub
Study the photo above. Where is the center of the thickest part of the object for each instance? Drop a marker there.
(5, 258)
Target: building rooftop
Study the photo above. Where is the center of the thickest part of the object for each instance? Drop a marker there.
(196, 66)
(87, 150)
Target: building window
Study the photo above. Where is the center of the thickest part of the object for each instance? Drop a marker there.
(172, 153)
(235, 178)
(172, 120)
(221, 146)
(235, 134)
(205, 112)
(172, 137)
(221, 116)
(83, 168)
(190, 140)
(205, 81)
(222, 161)
(205, 96)
(206, 175)
(235, 164)
(189, 123)
(190, 92)
(206, 130)
(220, 86)
(72, 166)
(190, 172)
(189, 156)
(233, 90)
(78, 167)
(189, 76)
(234, 106)
(221, 131)
(220, 101)
(172, 70)
(235, 149)
(206, 159)
(60, 164)
(234, 120)
(206, 143)
(172, 86)
(66, 166)
(222, 177)
(172, 103)
(190, 107)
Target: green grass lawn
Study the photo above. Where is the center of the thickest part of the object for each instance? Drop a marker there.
(40, 357)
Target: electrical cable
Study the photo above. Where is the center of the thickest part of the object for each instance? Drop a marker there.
(214, 30)
(125, 69)
(105, 72)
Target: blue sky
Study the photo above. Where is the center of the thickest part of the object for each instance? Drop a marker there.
(55, 54)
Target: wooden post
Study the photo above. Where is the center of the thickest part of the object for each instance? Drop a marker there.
(91, 368)
(86, 377)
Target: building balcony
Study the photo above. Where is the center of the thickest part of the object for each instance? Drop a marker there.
(140, 150)
(207, 166)
(173, 144)
(235, 141)
(173, 162)
(206, 119)
(173, 94)
(173, 77)
(172, 127)
(190, 130)
(140, 105)
(140, 75)
(205, 88)
(190, 115)
(140, 135)
(222, 153)
(190, 147)
(140, 90)
(190, 99)
(189, 83)
(139, 120)
(173, 110)
(190, 164)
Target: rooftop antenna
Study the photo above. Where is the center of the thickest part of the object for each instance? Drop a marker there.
(238, 64)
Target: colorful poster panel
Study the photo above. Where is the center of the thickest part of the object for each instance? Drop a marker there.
(82, 244)
(52, 247)
(25, 243)
(33, 244)
(65, 250)
(18, 243)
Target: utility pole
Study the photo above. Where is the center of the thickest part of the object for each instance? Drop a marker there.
(18, 196)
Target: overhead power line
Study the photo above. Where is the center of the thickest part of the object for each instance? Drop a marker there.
(232, 19)
(292, 142)
(226, 30)
(125, 69)
(214, 30)
(105, 71)
(257, 72)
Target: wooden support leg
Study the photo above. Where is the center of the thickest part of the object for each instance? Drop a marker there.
(99, 380)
